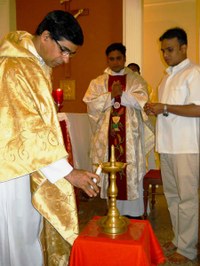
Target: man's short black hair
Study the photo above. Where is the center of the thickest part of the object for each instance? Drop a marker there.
(176, 32)
(61, 24)
(116, 46)
(134, 65)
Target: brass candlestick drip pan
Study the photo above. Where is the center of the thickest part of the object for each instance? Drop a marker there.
(113, 223)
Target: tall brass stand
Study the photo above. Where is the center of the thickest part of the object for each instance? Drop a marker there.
(113, 223)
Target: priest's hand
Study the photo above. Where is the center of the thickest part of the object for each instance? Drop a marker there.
(84, 180)
(116, 89)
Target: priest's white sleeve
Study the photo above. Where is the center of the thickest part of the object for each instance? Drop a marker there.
(57, 170)
(129, 100)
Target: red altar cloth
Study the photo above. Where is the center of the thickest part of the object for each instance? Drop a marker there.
(138, 246)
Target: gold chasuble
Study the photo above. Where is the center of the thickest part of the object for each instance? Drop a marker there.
(31, 138)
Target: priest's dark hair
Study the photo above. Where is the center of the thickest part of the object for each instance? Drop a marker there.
(116, 46)
(61, 25)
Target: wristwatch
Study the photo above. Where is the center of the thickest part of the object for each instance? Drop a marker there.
(165, 112)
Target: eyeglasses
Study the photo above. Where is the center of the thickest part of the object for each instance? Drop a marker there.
(64, 50)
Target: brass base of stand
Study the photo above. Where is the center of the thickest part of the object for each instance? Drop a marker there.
(114, 225)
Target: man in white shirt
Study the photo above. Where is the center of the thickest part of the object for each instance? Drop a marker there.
(177, 141)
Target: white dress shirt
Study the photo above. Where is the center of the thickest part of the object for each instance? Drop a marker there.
(181, 86)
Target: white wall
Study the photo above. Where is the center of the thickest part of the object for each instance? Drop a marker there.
(145, 21)
(158, 17)
(132, 30)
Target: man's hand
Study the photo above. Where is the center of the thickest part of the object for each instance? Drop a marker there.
(153, 108)
(84, 180)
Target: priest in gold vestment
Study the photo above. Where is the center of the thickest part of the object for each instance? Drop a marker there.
(36, 181)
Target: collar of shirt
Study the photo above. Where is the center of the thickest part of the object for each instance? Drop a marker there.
(112, 73)
(35, 53)
(175, 69)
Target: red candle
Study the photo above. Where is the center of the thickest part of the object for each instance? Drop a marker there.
(58, 96)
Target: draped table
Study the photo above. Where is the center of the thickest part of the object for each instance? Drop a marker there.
(138, 246)
(76, 133)
(76, 129)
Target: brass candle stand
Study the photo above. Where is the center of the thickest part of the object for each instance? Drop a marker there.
(113, 223)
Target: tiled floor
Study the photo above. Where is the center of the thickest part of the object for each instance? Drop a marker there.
(159, 218)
